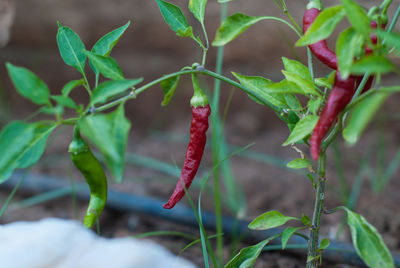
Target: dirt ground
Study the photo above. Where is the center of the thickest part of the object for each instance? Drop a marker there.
(149, 49)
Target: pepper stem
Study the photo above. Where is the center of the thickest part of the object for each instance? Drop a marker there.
(199, 98)
(314, 4)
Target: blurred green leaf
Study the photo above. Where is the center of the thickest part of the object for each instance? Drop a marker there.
(169, 87)
(106, 43)
(298, 68)
(111, 88)
(175, 19)
(302, 129)
(270, 219)
(348, 44)
(109, 133)
(324, 244)
(373, 64)
(361, 115)
(71, 85)
(198, 7)
(358, 17)
(287, 234)
(323, 26)
(368, 242)
(392, 39)
(29, 84)
(232, 27)
(299, 163)
(248, 255)
(307, 86)
(314, 104)
(22, 145)
(71, 48)
(65, 101)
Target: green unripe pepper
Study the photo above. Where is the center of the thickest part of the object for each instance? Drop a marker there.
(91, 169)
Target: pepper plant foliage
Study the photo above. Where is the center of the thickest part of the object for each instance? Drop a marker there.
(22, 143)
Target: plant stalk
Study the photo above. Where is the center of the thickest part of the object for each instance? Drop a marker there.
(313, 243)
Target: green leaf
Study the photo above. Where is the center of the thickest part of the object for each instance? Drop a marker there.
(287, 234)
(348, 44)
(305, 219)
(323, 26)
(175, 19)
(106, 65)
(106, 43)
(314, 104)
(248, 255)
(109, 133)
(357, 17)
(293, 66)
(291, 100)
(270, 219)
(29, 84)
(299, 163)
(71, 85)
(21, 145)
(373, 64)
(198, 7)
(302, 129)
(224, 1)
(112, 88)
(232, 27)
(368, 242)
(71, 48)
(324, 244)
(307, 86)
(169, 87)
(392, 39)
(326, 81)
(256, 85)
(361, 115)
(65, 101)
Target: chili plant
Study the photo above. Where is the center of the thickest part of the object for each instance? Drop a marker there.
(340, 102)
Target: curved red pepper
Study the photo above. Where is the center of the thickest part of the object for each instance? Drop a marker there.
(340, 96)
(194, 153)
(319, 49)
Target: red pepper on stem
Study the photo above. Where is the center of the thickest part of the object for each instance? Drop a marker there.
(194, 152)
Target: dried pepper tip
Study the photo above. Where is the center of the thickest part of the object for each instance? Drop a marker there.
(199, 98)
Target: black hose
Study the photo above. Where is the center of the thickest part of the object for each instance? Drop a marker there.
(340, 252)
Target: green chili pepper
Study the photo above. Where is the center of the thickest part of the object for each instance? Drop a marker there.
(91, 169)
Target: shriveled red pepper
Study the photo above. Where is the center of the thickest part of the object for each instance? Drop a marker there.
(194, 152)
(340, 96)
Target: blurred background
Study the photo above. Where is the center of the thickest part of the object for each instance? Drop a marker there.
(364, 176)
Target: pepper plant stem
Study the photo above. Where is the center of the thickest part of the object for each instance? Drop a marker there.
(313, 242)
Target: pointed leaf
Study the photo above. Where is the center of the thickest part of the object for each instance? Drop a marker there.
(361, 115)
(392, 39)
(109, 89)
(302, 129)
(357, 16)
(106, 65)
(324, 244)
(348, 44)
(306, 85)
(22, 145)
(299, 163)
(232, 27)
(374, 64)
(248, 256)
(368, 242)
(323, 26)
(287, 234)
(293, 66)
(175, 19)
(106, 43)
(169, 87)
(64, 101)
(109, 133)
(270, 219)
(71, 85)
(29, 84)
(198, 7)
(71, 48)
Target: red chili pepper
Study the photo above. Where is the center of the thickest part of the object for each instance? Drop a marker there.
(340, 96)
(194, 152)
(319, 49)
